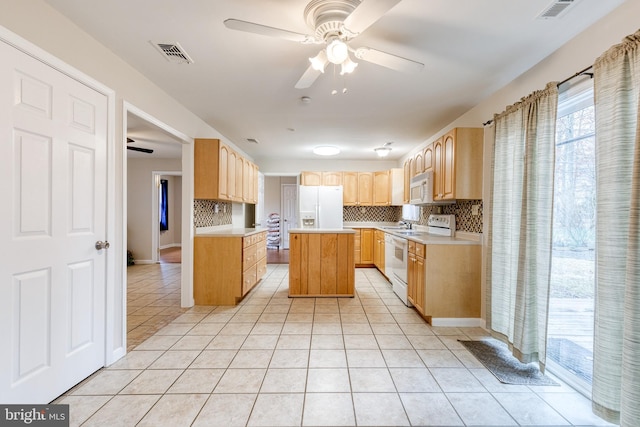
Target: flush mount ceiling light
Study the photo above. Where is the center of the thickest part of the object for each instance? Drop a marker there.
(384, 150)
(326, 150)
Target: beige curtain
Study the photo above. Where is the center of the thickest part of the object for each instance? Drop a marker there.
(520, 230)
(616, 376)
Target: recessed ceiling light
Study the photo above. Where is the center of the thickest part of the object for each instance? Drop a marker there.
(326, 150)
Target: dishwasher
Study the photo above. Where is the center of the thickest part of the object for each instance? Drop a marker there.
(388, 255)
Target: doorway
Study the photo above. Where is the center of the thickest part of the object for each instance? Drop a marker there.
(157, 292)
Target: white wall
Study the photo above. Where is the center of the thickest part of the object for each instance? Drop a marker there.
(279, 167)
(273, 192)
(577, 54)
(140, 206)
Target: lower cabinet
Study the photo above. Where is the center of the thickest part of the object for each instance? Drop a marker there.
(443, 281)
(321, 265)
(416, 275)
(378, 250)
(366, 246)
(226, 268)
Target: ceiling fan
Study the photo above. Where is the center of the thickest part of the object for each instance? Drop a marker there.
(335, 24)
(140, 149)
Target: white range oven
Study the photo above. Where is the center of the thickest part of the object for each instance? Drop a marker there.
(398, 275)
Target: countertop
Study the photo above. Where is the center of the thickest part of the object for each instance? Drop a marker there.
(227, 231)
(420, 235)
(322, 230)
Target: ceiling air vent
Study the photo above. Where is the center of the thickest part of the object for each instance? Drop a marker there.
(173, 52)
(555, 9)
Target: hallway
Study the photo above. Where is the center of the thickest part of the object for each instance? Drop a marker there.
(276, 361)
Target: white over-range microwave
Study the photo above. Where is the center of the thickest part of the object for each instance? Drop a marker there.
(421, 189)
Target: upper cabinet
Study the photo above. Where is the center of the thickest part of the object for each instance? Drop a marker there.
(456, 162)
(331, 178)
(382, 188)
(458, 165)
(311, 178)
(222, 174)
(320, 178)
(357, 188)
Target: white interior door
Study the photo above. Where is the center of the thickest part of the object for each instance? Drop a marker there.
(289, 211)
(53, 135)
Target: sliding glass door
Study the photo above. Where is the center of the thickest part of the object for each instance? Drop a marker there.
(571, 304)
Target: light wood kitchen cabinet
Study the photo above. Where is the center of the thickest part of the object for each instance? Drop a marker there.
(382, 188)
(457, 165)
(407, 180)
(416, 275)
(366, 246)
(418, 163)
(226, 268)
(222, 174)
(365, 188)
(331, 178)
(357, 251)
(357, 188)
(238, 194)
(427, 156)
(310, 178)
(210, 169)
(321, 264)
(443, 281)
(378, 250)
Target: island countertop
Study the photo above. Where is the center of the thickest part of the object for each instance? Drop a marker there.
(322, 230)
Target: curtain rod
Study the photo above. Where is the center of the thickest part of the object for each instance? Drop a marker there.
(579, 73)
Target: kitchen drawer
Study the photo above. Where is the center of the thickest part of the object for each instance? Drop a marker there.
(247, 241)
(249, 278)
(261, 268)
(261, 237)
(249, 256)
(261, 251)
(412, 247)
(421, 250)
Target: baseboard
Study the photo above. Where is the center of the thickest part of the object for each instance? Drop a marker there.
(144, 261)
(171, 245)
(459, 322)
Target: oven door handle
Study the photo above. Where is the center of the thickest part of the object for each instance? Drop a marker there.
(399, 242)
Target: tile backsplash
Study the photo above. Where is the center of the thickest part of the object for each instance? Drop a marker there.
(204, 214)
(462, 209)
(371, 213)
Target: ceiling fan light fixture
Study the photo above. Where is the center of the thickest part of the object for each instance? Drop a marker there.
(319, 61)
(326, 150)
(348, 66)
(337, 51)
(382, 151)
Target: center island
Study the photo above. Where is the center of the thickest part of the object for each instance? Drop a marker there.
(321, 262)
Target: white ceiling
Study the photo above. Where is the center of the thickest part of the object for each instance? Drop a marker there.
(149, 136)
(243, 84)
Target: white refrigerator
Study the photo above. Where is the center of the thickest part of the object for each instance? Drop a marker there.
(320, 206)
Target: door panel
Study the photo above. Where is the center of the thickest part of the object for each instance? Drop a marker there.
(53, 136)
(289, 211)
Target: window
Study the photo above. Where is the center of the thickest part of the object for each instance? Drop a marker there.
(164, 205)
(571, 303)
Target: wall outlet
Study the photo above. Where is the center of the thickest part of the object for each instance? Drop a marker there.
(475, 210)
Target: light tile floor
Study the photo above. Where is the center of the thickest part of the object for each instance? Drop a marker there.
(276, 361)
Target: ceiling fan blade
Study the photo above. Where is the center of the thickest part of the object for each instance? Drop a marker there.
(308, 78)
(368, 12)
(263, 30)
(142, 150)
(388, 60)
(129, 140)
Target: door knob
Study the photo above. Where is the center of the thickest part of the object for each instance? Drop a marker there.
(102, 245)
